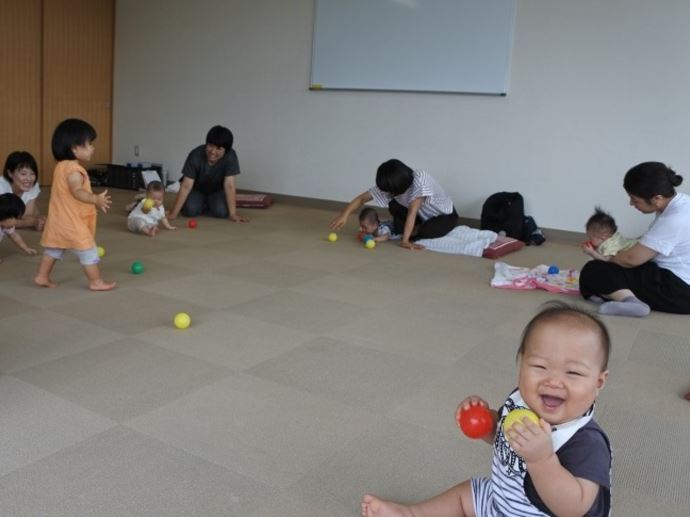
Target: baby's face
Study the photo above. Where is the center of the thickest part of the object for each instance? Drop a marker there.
(560, 372)
(157, 197)
(597, 236)
(8, 223)
(368, 226)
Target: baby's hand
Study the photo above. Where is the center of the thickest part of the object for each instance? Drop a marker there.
(103, 201)
(472, 400)
(531, 441)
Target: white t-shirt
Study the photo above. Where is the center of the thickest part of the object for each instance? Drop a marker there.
(669, 236)
(6, 188)
(152, 218)
(436, 201)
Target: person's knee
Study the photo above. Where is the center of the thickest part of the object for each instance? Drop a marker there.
(192, 208)
(219, 208)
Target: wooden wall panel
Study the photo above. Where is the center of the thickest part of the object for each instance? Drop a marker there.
(78, 70)
(20, 77)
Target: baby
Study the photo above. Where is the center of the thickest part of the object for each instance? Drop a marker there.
(603, 236)
(149, 212)
(369, 224)
(12, 209)
(560, 465)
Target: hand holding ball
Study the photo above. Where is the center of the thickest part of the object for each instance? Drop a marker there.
(517, 416)
(476, 422)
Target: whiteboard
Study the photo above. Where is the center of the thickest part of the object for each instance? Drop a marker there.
(459, 46)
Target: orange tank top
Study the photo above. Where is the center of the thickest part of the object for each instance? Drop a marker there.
(70, 223)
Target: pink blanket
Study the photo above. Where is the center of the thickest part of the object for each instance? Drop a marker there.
(566, 281)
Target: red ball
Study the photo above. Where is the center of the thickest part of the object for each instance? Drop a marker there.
(476, 422)
(192, 223)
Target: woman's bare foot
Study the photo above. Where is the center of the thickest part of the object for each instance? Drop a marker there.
(372, 506)
(101, 285)
(44, 281)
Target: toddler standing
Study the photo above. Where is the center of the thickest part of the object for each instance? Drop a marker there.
(71, 222)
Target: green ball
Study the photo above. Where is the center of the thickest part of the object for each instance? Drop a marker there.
(137, 267)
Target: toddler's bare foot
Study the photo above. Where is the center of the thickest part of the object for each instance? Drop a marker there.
(44, 281)
(150, 231)
(372, 506)
(101, 285)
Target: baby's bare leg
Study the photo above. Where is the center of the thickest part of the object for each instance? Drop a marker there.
(455, 502)
(42, 278)
(96, 283)
(150, 230)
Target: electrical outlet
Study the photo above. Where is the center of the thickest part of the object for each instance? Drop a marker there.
(136, 150)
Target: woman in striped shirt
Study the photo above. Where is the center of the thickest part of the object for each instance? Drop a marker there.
(414, 199)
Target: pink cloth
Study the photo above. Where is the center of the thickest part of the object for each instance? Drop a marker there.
(523, 278)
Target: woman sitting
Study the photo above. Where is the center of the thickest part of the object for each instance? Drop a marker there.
(655, 272)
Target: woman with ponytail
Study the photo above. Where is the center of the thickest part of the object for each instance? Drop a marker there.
(655, 273)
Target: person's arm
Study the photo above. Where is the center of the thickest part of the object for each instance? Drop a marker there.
(633, 257)
(186, 186)
(354, 205)
(231, 199)
(166, 224)
(592, 252)
(563, 493)
(409, 225)
(75, 182)
(17, 239)
(382, 238)
(31, 218)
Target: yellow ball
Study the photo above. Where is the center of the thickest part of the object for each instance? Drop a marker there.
(518, 415)
(182, 320)
(332, 237)
(101, 251)
(371, 243)
(148, 205)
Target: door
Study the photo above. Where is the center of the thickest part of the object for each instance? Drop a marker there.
(77, 71)
(20, 78)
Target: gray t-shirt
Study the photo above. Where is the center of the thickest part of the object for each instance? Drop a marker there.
(209, 178)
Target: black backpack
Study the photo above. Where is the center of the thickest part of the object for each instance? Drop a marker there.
(504, 212)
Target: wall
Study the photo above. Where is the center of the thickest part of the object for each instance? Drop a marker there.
(596, 87)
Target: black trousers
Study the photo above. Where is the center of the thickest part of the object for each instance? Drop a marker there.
(430, 229)
(657, 287)
(198, 203)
